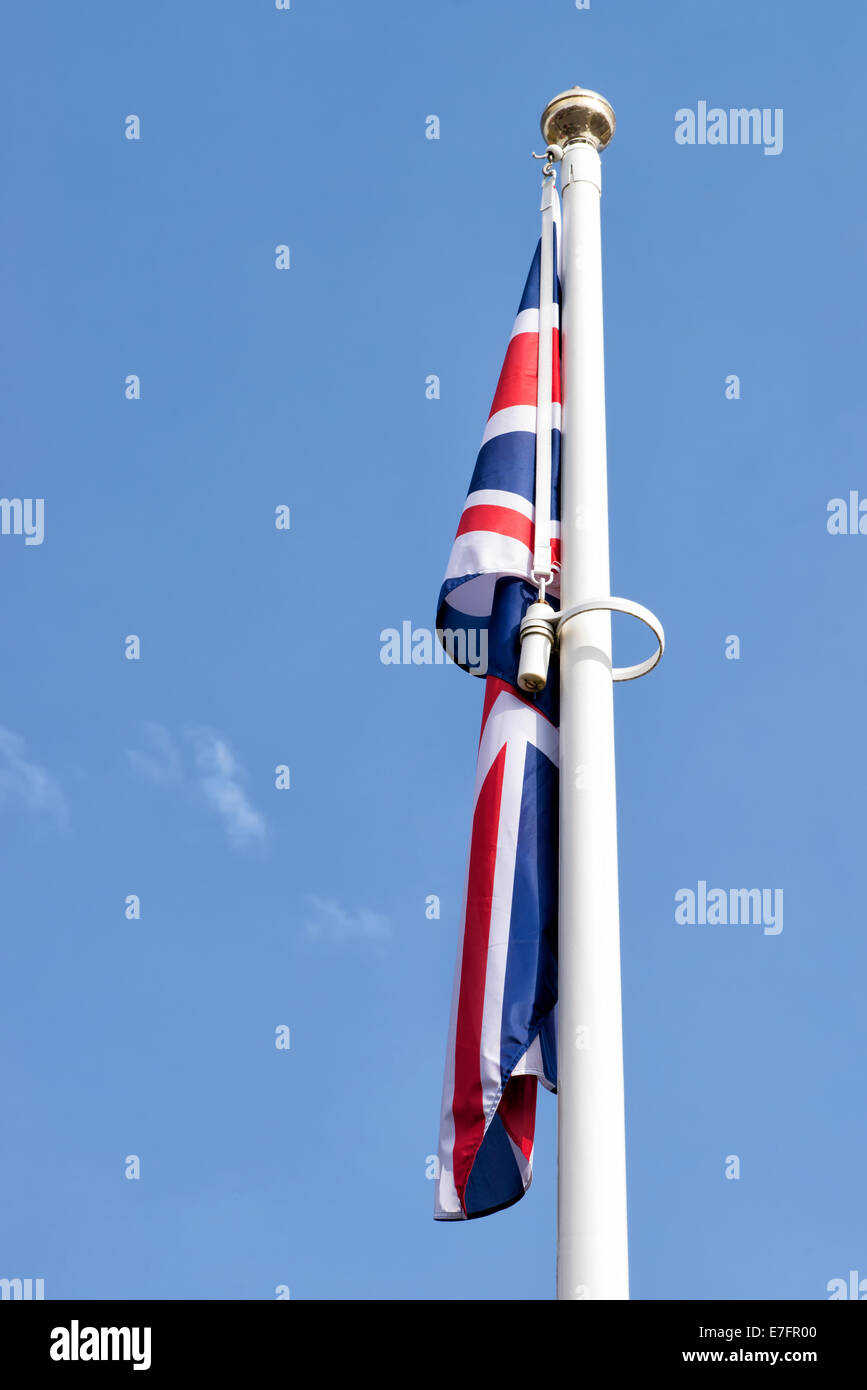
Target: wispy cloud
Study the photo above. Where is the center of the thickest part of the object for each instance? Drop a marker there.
(25, 783)
(212, 774)
(220, 778)
(161, 761)
(329, 921)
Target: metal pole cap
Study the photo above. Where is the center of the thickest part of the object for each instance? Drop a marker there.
(578, 115)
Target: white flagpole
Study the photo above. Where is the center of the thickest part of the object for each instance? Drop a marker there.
(592, 1257)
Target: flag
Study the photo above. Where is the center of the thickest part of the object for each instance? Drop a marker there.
(502, 1030)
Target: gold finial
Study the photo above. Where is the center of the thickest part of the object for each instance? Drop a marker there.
(578, 115)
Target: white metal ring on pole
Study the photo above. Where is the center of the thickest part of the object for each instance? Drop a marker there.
(633, 610)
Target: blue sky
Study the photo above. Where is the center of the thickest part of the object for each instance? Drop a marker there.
(260, 387)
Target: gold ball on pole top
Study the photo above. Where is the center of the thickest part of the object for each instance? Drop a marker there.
(578, 114)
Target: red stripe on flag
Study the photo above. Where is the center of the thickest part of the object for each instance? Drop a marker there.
(493, 688)
(467, 1106)
(517, 1110)
(504, 521)
(517, 384)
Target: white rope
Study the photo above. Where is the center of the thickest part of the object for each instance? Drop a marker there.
(542, 571)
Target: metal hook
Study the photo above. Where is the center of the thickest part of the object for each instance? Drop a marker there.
(553, 154)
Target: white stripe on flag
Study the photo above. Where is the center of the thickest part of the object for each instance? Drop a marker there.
(527, 321)
(518, 418)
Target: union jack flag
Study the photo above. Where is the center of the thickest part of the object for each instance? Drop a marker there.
(502, 1030)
